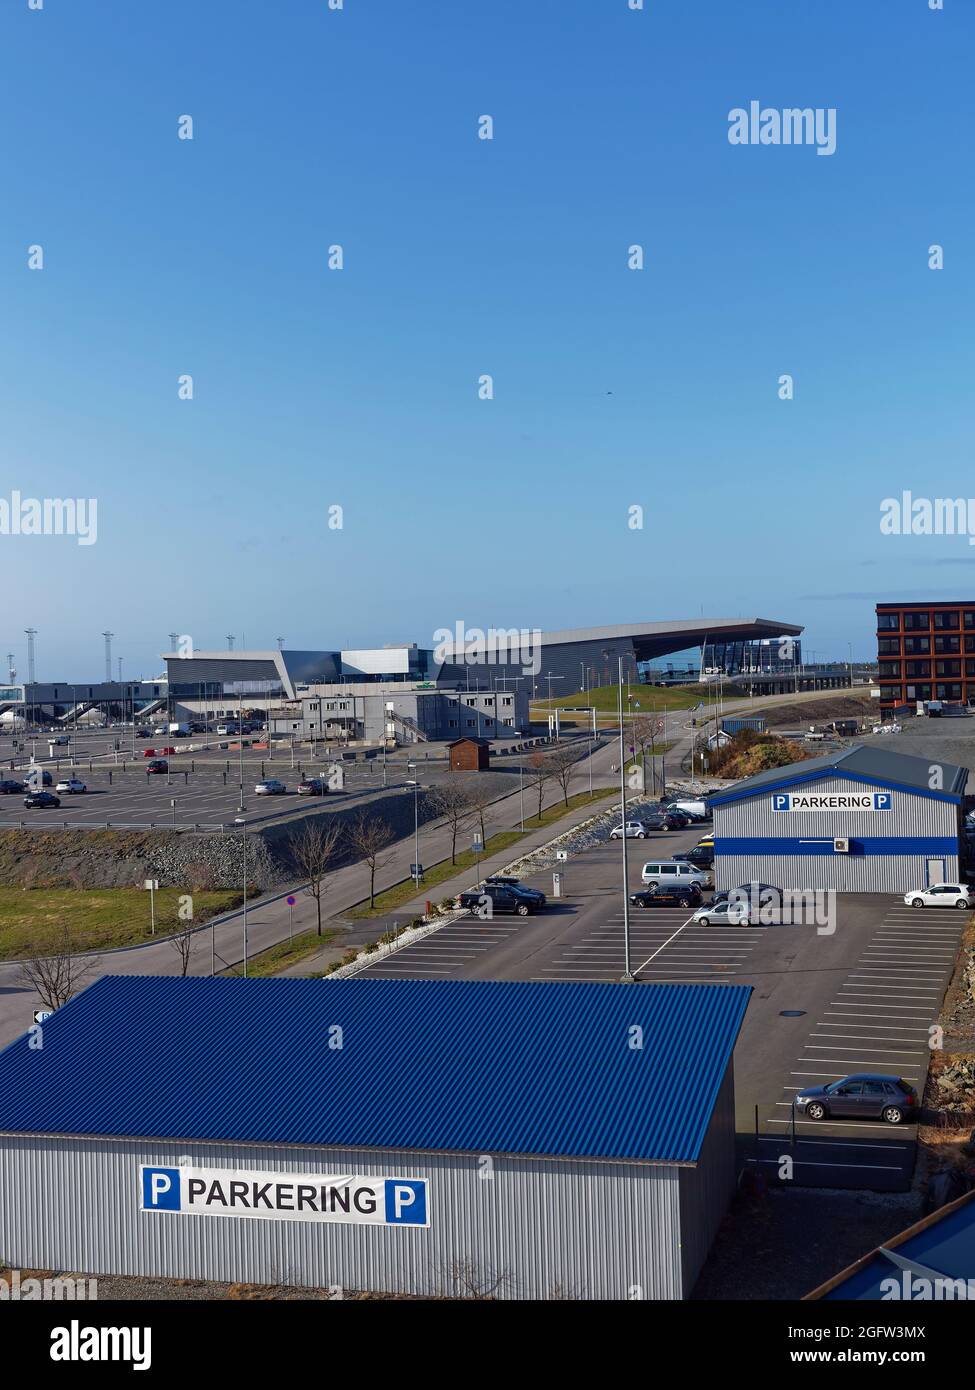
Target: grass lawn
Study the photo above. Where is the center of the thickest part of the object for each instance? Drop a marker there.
(285, 953)
(391, 898)
(98, 918)
(652, 698)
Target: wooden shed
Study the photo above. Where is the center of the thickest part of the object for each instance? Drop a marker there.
(469, 755)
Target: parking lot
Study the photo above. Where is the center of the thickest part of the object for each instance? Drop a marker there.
(860, 995)
(206, 791)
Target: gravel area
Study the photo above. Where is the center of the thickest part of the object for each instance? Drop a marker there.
(785, 1244)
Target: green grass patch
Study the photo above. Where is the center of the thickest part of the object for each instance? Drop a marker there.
(285, 953)
(554, 813)
(392, 898)
(404, 892)
(654, 699)
(32, 919)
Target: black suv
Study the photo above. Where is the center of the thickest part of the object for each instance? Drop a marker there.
(503, 881)
(686, 895)
(865, 1096)
(9, 788)
(42, 799)
(492, 898)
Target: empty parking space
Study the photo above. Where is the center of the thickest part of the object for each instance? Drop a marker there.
(669, 948)
(877, 1019)
(444, 952)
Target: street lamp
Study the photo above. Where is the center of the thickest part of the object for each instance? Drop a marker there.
(239, 820)
(627, 973)
(412, 782)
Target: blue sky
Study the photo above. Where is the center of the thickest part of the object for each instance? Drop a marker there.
(358, 387)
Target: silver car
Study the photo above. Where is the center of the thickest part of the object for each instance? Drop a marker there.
(270, 787)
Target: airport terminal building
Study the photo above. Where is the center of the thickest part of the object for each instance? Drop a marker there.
(477, 684)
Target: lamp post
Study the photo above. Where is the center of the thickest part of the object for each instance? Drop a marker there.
(411, 767)
(627, 977)
(239, 820)
(240, 747)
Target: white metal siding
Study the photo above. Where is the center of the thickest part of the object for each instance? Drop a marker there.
(575, 1229)
(707, 1189)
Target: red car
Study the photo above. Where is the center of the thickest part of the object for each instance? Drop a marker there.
(158, 765)
(166, 751)
(148, 752)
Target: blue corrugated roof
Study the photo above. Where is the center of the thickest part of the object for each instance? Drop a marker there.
(942, 1245)
(474, 1066)
(877, 766)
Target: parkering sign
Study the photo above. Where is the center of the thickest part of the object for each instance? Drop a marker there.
(832, 801)
(285, 1196)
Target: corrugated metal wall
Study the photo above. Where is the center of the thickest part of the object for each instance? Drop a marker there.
(909, 816)
(707, 1189)
(577, 1230)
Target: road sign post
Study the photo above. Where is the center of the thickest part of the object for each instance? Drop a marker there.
(152, 884)
(291, 918)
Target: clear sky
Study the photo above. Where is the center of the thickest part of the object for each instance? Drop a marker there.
(358, 388)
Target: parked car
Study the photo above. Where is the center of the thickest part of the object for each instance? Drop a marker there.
(270, 787)
(668, 873)
(504, 881)
(635, 830)
(148, 752)
(696, 809)
(726, 913)
(71, 785)
(143, 733)
(703, 858)
(46, 779)
(313, 786)
(167, 751)
(755, 891)
(941, 895)
(41, 799)
(484, 902)
(158, 765)
(865, 1096)
(662, 820)
(8, 787)
(686, 895)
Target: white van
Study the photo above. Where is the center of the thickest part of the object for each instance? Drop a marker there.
(670, 872)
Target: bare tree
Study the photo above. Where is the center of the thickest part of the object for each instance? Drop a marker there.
(314, 848)
(564, 764)
(481, 798)
(368, 836)
(539, 773)
(645, 730)
(57, 976)
(182, 944)
(455, 804)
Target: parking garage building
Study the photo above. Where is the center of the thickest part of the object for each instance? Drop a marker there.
(424, 1137)
(861, 820)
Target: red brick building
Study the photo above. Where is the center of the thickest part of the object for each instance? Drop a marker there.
(926, 651)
